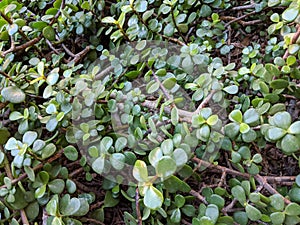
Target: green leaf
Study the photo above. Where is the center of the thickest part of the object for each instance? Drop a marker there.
(277, 218)
(292, 209)
(141, 6)
(244, 128)
(140, 171)
(48, 151)
(241, 217)
(71, 208)
(106, 143)
(212, 120)
(108, 19)
(239, 193)
(180, 156)
(30, 173)
(169, 83)
(154, 156)
(13, 94)
(282, 120)
(290, 14)
(120, 143)
(169, 30)
(13, 28)
(176, 216)
(236, 116)
(290, 144)
(98, 165)
(71, 153)
(275, 133)
(56, 186)
(83, 209)
(4, 135)
(109, 200)
(212, 212)
(174, 116)
(29, 137)
(49, 33)
(117, 161)
(153, 198)
(294, 128)
(165, 167)
(167, 147)
(233, 89)
(71, 186)
(15, 115)
(52, 206)
(279, 84)
(253, 213)
(251, 116)
(152, 87)
(277, 202)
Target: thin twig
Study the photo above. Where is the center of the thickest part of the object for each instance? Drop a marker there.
(103, 73)
(6, 75)
(38, 167)
(198, 196)
(239, 18)
(21, 47)
(293, 41)
(205, 101)
(260, 179)
(242, 7)
(80, 55)
(175, 40)
(137, 207)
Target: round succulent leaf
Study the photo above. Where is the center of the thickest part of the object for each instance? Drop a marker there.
(71, 208)
(279, 84)
(292, 209)
(275, 133)
(238, 192)
(56, 186)
(290, 14)
(71, 153)
(251, 116)
(212, 120)
(117, 160)
(99, 165)
(253, 213)
(180, 156)
(244, 128)
(241, 217)
(277, 218)
(165, 167)
(49, 33)
(153, 198)
(212, 212)
(13, 94)
(290, 144)
(167, 147)
(294, 194)
(232, 89)
(282, 120)
(249, 136)
(29, 137)
(140, 171)
(294, 128)
(176, 216)
(236, 116)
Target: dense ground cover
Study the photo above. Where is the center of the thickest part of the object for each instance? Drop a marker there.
(149, 112)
